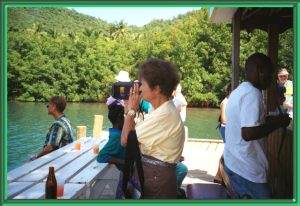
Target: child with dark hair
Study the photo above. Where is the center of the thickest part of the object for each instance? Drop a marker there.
(113, 152)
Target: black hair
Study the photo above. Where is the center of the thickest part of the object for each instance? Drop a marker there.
(116, 114)
(228, 89)
(260, 60)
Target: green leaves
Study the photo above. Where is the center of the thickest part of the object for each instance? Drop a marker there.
(56, 51)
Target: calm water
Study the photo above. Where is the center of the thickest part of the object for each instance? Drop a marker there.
(28, 124)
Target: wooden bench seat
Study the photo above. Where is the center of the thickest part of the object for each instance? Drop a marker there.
(45, 160)
(71, 191)
(206, 191)
(84, 177)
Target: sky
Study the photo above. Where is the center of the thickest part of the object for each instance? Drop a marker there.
(138, 16)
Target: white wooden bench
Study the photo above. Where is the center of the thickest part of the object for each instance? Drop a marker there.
(79, 168)
(71, 191)
(73, 158)
(100, 185)
(31, 166)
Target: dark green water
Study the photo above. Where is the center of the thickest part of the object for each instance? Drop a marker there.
(28, 124)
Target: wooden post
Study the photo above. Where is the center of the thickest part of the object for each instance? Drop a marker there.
(97, 129)
(273, 45)
(236, 30)
(80, 131)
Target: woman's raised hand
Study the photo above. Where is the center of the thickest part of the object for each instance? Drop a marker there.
(134, 97)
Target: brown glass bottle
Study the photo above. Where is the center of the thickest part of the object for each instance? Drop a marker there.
(51, 185)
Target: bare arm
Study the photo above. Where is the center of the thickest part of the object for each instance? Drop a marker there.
(46, 150)
(275, 122)
(223, 117)
(129, 125)
(180, 107)
(288, 105)
(133, 104)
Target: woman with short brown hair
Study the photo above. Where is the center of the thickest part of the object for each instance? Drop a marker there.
(161, 134)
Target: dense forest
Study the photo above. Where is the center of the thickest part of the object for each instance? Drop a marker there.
(57, 51)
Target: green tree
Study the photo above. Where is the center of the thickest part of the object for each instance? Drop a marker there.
(79, 56)
(118, 30)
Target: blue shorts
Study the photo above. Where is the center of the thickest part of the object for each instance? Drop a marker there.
(243, 187)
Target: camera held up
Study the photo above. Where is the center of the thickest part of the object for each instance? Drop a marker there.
(121, 90)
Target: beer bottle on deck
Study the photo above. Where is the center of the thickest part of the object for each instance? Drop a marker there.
(51, 185)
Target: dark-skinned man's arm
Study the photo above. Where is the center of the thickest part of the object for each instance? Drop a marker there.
(272, 123)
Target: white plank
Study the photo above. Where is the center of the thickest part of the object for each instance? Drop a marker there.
(30, 166)
(80, 163)
(71, 191)
(104, 135)
(35, 192)
(58, 163)
(100, 142)
(66, 161)
(16, 187)
(89, 173)
(75, 166)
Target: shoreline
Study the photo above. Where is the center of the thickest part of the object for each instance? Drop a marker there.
(191, 105)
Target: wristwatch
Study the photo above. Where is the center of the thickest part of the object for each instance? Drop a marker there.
(131, 112)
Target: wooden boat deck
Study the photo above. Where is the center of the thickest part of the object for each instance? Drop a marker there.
(202, 159)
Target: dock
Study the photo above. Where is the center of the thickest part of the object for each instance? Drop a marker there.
(202, 159)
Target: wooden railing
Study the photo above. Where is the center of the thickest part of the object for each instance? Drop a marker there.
(281, 164)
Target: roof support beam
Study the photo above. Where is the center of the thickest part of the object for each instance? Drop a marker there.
(273, 41)
(236, 30)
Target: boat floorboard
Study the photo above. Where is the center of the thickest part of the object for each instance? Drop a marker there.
(202, 159)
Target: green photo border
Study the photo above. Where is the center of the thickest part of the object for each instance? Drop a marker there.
(295, 4)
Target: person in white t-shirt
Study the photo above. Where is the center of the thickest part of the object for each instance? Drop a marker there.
(244, 159)
(181, 169)
(180, 102)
